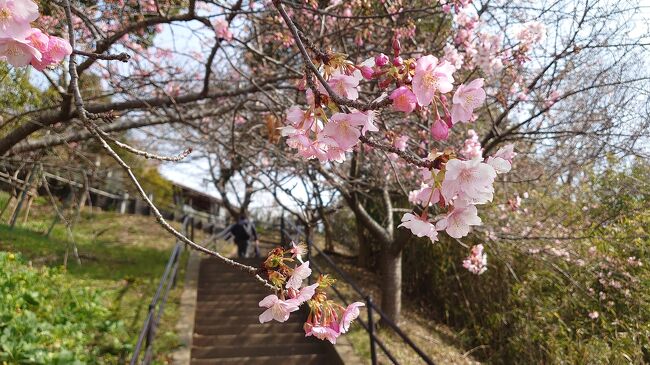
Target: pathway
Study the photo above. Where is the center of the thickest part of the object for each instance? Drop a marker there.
(227, 330)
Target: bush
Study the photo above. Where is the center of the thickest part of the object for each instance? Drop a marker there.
(45, 319)
(583, 301)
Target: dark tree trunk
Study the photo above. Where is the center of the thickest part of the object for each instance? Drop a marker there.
(329, 243)
(391, 272)
(308, 233)
(365, 247)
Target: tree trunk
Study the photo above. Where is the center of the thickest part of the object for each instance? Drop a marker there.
(329, 244)
(308, 233)
(365, 248)
(391, 271)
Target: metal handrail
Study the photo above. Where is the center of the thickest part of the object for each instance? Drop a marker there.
(157, 305)
(366, 327)
(370, 308)
(370, 304)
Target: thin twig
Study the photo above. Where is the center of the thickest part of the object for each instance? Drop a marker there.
(124, 57)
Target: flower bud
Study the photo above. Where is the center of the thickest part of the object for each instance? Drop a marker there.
(439, 130)
(398, 61)
(448, 121)
(396, 46)
(366, 72)
(381, 60)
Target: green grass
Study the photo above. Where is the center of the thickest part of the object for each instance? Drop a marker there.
(121, 256)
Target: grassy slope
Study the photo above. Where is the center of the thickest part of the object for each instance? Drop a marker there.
(122, 254)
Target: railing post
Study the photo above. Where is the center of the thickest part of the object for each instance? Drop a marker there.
(148, 345)
(192, 228)
(371, 331)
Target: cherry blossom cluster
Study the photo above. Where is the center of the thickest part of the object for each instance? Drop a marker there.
(419, 84)
(476, 262)
(20, 44)
(327, 319)
(457, 183)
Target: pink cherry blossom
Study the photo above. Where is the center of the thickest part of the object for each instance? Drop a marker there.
(400, 142)
(366, 72)
(476, 262)
(299, 274)
(38, 39)
(470, 181)
(15, 16)
(366, 120)
(298, 250)
(329, 150)
(506, 152)
(466, 99)
(471, 147)
(350, 314)
(531, 32)
(297, 116)
(452, 55)
(303, 294)
(440, 130)
(594, 315)
(403, 99)
(221, 27)
(53, 49)
(344, 130)
(425, 195)
(58, 49)
(18, 52)
(502, 159)
(381, 60)
(431, 76)
(306, 293)
(330, 333)
(458, 221)
(419, 226)
(343, 85)
(278, 309)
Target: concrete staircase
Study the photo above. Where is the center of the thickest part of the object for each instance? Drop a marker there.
(227, 330)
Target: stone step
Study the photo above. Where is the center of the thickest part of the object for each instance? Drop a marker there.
(246, 329)
(251, 339)
(245, 285)
(232, 292)
(254, 298)
(204, 311)
(226, 276)
(213, 352)
(311, 359)
(239, 319)
(243, 297)
(254, 303)
(227, 329)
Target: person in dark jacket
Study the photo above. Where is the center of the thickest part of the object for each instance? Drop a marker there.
(243, 232)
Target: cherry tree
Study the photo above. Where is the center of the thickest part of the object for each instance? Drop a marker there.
(410, 103)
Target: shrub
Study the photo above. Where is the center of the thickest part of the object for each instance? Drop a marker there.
(46, 319)
(578, 301)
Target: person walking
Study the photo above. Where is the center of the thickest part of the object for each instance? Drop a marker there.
(243, 232)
